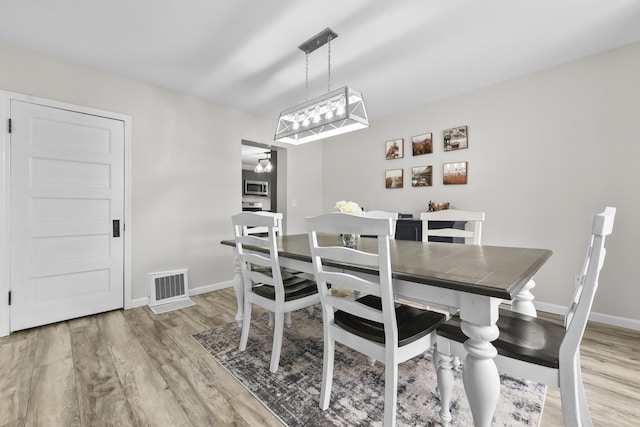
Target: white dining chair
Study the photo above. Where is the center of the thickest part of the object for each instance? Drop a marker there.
(265, 283)
(393, 216)
(286, 272)
(537, 349)
(373, 324)
(472, 233)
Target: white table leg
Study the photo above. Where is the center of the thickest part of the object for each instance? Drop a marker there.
(443, 362)
(238, 288)
(480, 375)
(523, 302)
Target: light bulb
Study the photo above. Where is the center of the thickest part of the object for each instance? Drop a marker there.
(329, 114)
(316, 115)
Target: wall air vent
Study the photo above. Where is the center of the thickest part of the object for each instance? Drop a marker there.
(169, 290)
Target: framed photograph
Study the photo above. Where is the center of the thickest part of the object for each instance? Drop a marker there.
(455, 173)
(394, 178)
(422, 144)
(456, 138)
(394, 149)
(421, 176)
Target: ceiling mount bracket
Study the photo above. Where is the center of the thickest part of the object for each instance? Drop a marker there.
(319, 40)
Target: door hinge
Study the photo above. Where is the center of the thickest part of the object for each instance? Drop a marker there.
(9, 297)
(9, 125)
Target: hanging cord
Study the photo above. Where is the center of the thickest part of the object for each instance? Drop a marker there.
(306, 78)
(329, 64)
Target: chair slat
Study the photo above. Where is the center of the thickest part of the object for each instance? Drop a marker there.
(260, 277)
(355, 308)
(348, 255)
(349, 281)
(251, 240)
(449, 232)
(472, 232)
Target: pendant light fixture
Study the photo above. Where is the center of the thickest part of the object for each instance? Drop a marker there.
(264, 165)
(334, 113)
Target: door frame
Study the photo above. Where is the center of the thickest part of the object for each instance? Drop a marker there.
(5, 194)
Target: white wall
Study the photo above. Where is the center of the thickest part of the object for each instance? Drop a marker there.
(186, 154)
(545, 152)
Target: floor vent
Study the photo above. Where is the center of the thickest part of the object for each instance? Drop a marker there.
(169, 291)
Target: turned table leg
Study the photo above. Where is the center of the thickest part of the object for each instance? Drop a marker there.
(480, 375)
(523, 302)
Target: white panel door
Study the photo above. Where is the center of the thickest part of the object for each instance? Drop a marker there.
(67, 188)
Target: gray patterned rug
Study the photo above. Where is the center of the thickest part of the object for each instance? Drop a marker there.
(358, 389)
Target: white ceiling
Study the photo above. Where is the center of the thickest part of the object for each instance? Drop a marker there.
(243, 53)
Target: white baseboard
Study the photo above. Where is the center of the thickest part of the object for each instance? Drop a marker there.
(607, 319)
(210, 288)
(140, 302)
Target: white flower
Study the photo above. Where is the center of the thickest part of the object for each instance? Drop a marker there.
(349, 208)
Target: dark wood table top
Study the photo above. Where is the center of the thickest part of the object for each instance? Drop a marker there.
(496, 271)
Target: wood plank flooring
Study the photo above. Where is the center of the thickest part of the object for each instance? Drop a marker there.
(135, 368)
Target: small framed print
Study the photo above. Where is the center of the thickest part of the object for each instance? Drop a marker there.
(422, 144)
(394, 178)
(455, 173)
(456, 138)
(421, 176)
(394, 149)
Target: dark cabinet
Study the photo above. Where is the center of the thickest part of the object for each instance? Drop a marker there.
(411, 229)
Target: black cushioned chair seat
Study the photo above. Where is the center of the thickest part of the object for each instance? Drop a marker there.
(294, 288)
(521, 337)
(284, 272)
(413, 323)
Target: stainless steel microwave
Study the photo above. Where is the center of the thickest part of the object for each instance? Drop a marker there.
(256, 188)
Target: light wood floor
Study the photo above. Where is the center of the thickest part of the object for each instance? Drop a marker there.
(136, 368)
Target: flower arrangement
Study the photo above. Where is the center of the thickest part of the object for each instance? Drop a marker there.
(349, 208)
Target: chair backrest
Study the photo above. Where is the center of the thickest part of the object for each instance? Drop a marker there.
(383, 214)
(472, 232)
(587, 282)
(243, 225)
(263, 230)
(377, 285)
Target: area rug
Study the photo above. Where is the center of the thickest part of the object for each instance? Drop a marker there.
(292, 393)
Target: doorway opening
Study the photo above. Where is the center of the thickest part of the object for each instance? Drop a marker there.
(274, 198)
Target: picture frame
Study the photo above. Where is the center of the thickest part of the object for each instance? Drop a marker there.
(455, 138)
(394, 178)
(421, 176)
(454, 173)
(394, 149)
(422, 144)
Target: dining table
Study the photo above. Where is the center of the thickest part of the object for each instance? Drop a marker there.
(472, 280)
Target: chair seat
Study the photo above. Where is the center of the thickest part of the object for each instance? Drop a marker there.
(294, 288)
(413, 323)
(285, 272)
(521, 337)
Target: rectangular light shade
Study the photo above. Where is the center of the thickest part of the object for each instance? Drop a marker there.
(334, 113)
